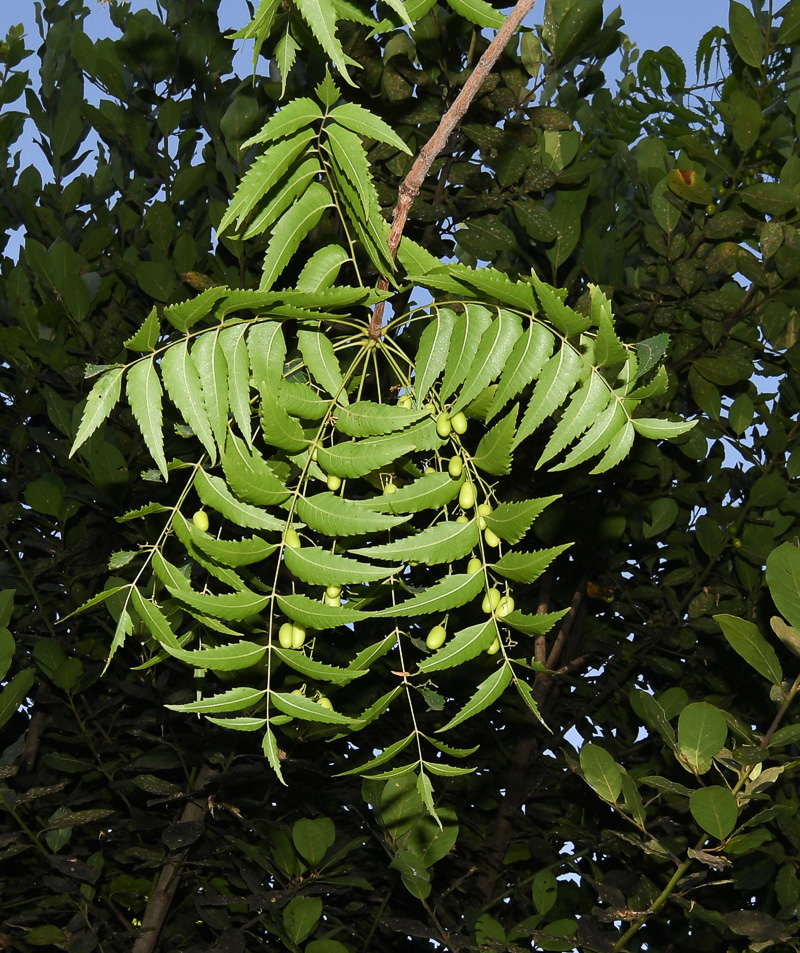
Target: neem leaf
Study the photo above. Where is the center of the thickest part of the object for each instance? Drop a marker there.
(527, 567)
(330, 514)
(368, 419)
(434, 344)
(511, 521)
(358, 459)
(103, 396)
(233, 700)
(531, 352)
(144, 394)
(461, 647)
(428, 492)
(214, 492)
(489, 690)
(315, 565)
(249, 475)
(441, 543)
(450, 592)
(315, 615)
(298, 706)
(362, 121)
(182, 381)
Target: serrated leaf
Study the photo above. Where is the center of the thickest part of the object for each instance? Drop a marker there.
(360, 120)
(239, 723)
(618, 449)
(322, 268)
(567, 321)
(358, 459)
(559, 376)
(269, 746)
(468, 330)
(462, 646)
(315, 615)
(319, 671)
(289, 119)
(144, 396)
(322, 363)
(446, 770)
(262, 175)
(209, 359)
(292, 228)
(538, 624)
(187, 313)
(281, 197)
(330, 514)
(658, 429)
(279, 429)
(527, 567)
(590, 400)
(214, 492)
(232, 552)
(321, 16)
(489, 690)
(386, 755)
(250, 476)
(146, 338)
(286, 50)
(222, 658)
(372, 231)
(494, 350)
(102, 397)
(298, 706)
(235, 699)
(441, 543)
(182, 381)
(154, 619)
(650, 352)
(493, 454)
(230, 606)
(234, 346)
(349, 155)
(511, 521)
(598, 437)
(434, 344)
(608, 348)
(491, 283)
(653, 388)
(530, 354)
(267, 349)
(300, 400)
(452, 591)
(368, 419)
(479, 12)
(431, 491)
(318, 566)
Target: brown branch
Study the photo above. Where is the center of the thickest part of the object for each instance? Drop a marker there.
(410, 186)
(160, 900)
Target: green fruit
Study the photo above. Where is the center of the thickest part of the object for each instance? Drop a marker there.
(334, 482)
(406, 402)
(459, 422)
(491, 601)
(443, 425)
(291, 539)
(505, 606)
(315, 454)
(333, 591)
(389, 488)
(324, 701)
(466, 496)
(474, 565)
(455, 467)
(736, 542)
(285, 635)
(462, 519)
(200, 520)
(494, 648)
(436, 637)
(491, 538)
(334, 601)
(483, 510)
(298, 635)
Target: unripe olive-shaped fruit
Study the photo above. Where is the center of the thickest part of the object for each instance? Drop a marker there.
(291, 539)
(491, 601)
(334, 482)
(334, 601)
(443, 425)
(491, 538)
(315, 454)
(436, 637)
(504, 606)
(474, 565)
(389, 488)
(285, 634)
(483, 510)
(406, 402)
(455, 466)
(298, 635)
(459, 422)
(324, 701)
(466, 496)
(494, 648)
(736, 542)
(200, 520)
(333, 591)
(462, 519)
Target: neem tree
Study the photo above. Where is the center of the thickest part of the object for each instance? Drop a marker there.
(374, 530)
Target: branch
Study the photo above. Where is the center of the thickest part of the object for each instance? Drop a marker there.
(410, 186)
(161, 899)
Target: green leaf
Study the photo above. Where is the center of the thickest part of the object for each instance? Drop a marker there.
(538, 624)
(267, 349)
(494, 349)
(144, 396)
(598, 438)
(221, 658)
(235, 699)
(334, 516)
(527, 567)
(234, 347)
(292, 228)
(489, 690)
(431, 491)
(544, 891)
(601, 771)
(466, 337)
(13, 694)
(618, 449)
(289, 119)
(298, 706)
(286, 50)
(318, 671)
(580, 22)
(358, 459)
(281, 197)
(154, 619)
(270, 748)
(232, 606)
(479, 12)
(462, 646)
(249, 475)
(560, 374)
(658, 429)
(214, 492)
(348, 153)
(322, 268)
(322, 363)
(452, 591)
(209, 359)
(783, 579)
(187, 313)
(315, 565)
(587, 403)
(368, 419)
(315, 615)
(300, 400)
(361, 120)
(789, 31)
(771, 198)
(279, 429)
(744, 638)
(702, 731)
(511, 521)
(321, 16)
(531, 352)
(663, 513)
(232, 552)
(262, 175)
(746, 34)
(102, 397)
(715, 810)
(441, 543)
(182, 382)
(239, 723)
(313, 838)
(434, 344)
(386, 755)
(608, 348)
(146, 338)
(493, 454)
(567, 321)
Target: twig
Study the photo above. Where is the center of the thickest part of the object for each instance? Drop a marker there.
(410, 186)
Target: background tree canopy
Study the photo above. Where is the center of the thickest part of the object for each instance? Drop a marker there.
(450, 597)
